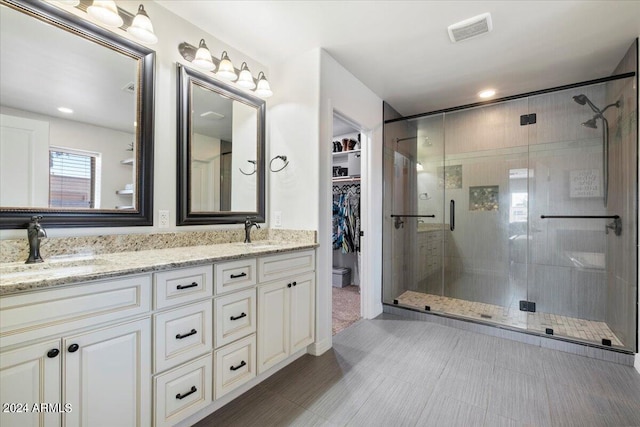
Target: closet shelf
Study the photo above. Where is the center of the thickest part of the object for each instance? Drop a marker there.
(344, 153)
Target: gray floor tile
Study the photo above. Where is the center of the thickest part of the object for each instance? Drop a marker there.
(520, 397)
(442, 410)
(392, 403)
(467, 380)
(392, 372)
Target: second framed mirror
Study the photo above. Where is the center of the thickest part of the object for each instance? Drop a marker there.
(221, 139)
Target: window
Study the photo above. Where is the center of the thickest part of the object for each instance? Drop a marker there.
(72, 178)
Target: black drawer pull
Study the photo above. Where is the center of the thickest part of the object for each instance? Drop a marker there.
(192, 285)
(295, 283)
(188, 334)
(235, 276)
(53, 353)
(288, 285)
(182, 396)
(73, 348)
(235, 368)
(238, 317)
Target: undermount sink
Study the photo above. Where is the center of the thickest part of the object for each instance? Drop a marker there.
(260, 244)
(50, 264)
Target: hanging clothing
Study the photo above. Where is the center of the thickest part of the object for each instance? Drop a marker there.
(346, 218)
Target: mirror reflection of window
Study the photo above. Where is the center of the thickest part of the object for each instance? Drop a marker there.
(72, 179)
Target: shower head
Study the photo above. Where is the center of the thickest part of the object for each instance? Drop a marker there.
(591, 123)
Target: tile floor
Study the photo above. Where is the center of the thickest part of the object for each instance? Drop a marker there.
(345, 307)
(581, 329)
(392, 371)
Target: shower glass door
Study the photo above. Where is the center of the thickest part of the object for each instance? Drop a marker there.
(484, 179)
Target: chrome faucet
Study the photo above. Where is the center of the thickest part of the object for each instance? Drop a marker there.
(35, 233)
(248, 223)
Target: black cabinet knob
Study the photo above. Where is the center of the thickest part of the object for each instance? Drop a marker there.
(294, 283)
(53, 353)
(288, 285)
(73, 348)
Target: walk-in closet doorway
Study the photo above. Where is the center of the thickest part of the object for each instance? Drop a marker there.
(348, 277)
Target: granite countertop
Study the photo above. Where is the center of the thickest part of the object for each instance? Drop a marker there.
(16, 277)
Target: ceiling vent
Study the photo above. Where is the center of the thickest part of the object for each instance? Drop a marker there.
(470, 28)
(212, 115)
(129, 87)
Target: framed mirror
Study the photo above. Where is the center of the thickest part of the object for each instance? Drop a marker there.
(221, 139)
(76, 121)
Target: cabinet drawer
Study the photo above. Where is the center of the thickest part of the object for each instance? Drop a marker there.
(182, 334)
(183, 391)
(39, 314)
(235, 275)
(235, 365)
(235, 316)
(285, 265)
(182, 285)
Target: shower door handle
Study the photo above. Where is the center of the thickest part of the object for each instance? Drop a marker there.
(452, 215)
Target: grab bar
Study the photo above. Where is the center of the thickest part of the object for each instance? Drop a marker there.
(452, 215)
(616, 225)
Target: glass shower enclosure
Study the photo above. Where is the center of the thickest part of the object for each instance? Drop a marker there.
(519, 213)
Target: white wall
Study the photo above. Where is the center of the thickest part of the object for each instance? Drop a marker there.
(171, 31)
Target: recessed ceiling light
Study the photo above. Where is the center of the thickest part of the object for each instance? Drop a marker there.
(487, 93)
(65, 110)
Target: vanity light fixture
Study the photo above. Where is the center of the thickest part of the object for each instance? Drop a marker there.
(226, 69)
(264, 89)
(245, 79)
(72, 3)
(419, 167)
(141, 28)
(203, 57)
(487, 93)
(106, 12)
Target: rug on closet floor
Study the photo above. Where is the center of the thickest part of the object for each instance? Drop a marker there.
(346, 307)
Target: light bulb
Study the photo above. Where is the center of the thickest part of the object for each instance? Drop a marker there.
(245, 79)
(225, 68)
(106, 12)
(203, 57)
(141, 28)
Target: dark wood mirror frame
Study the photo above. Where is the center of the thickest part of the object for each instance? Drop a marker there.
(184, 215)
(15, 218)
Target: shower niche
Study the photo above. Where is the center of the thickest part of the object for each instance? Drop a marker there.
(529, 219)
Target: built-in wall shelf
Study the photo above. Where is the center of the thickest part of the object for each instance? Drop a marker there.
(128, 161)
(124, 192)
(345, 153)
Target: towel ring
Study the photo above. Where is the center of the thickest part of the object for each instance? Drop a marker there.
(283, 158)
(254, 163)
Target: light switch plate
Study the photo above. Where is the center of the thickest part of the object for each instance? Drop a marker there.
(277, 219)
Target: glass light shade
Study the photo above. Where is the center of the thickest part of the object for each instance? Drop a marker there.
(225, 68)
(419, 167)
(141, 28)
(73, 3)
(203, 58)
(245, 79)
(105, 12)
(264, 89)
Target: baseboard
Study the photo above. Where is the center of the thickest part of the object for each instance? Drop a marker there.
(320, 347)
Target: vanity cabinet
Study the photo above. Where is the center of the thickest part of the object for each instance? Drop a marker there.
(85, 370)
(286, 308)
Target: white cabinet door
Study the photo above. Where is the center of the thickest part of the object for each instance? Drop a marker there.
(273, 324)
(107, 376)
(302, 307)
(28, 376)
